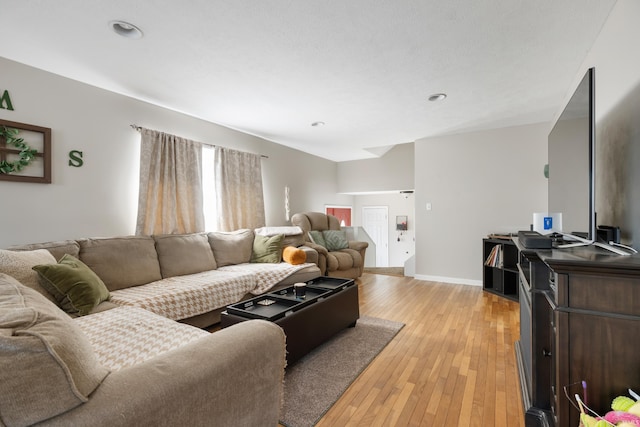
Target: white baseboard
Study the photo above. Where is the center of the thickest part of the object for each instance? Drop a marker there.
(454, 280)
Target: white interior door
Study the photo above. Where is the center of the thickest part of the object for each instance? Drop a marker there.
(375, 221)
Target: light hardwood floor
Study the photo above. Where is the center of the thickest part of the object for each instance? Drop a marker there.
(452, 364)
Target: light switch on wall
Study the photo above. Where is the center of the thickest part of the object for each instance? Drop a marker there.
(428, 206)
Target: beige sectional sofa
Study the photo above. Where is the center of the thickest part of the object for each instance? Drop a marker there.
(136, 359)
(189, 278)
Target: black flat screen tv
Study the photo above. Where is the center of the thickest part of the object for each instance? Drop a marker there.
(571, 183)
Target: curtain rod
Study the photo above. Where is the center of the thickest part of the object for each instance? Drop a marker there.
(139, 129)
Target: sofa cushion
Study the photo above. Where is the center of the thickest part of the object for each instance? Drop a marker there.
(58, 248)
(181, 254)
(317, 238)
(267, 249)
(127, 336)
(294, 241)
(234, 247)
(53, 367)
(76, 288)
(19, 264)
(356, 257)
(267, 275)
(343, 259)
(181, 297)
(122, 262)
(333, 264)
(335, 239)
(294, 256)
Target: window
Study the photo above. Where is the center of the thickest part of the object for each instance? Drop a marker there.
(209, 189)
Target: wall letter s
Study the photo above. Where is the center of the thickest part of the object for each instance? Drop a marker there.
(75, 158)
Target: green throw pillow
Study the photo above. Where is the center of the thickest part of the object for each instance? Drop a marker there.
(317, 238)
(335, 239)
(76, 288)
(267, 249)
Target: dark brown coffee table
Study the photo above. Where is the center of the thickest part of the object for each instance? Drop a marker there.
(331, 305)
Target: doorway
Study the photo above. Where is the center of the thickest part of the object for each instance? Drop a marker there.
(376, 223)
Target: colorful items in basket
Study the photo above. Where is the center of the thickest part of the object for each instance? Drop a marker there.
(625, 412)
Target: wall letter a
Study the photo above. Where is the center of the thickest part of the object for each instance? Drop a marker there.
(6, 100)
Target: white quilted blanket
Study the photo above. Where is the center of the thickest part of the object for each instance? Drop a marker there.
(126, 336)
(181, 297)
(267, 275)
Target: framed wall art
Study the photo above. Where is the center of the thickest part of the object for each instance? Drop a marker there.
(401, 222)
(343, 213)
(25, 152)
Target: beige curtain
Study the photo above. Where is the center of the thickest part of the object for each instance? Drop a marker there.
(239, 197)
(170, 195)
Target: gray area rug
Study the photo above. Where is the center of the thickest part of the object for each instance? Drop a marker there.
(314, 383)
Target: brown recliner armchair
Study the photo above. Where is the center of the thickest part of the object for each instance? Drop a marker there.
(347, 261)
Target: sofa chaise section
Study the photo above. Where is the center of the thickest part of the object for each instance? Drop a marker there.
(68, 371)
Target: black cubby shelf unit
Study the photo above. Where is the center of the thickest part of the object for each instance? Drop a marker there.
(500, 267)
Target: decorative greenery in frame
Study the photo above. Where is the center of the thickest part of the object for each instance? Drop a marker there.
(26, 154)
(18, 156)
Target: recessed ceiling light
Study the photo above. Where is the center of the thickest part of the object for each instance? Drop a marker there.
(317, 124)
(437, 97)
(126, 29)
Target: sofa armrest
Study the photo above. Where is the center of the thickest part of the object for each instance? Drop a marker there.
(312, 254)
(232, 377)
(358, 246)
(318, 248)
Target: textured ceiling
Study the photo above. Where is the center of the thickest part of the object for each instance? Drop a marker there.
(364, 67)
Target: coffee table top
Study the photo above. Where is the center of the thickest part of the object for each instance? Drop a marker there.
(275, 305)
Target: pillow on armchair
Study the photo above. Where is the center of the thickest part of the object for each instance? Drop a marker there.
(335, 240)
(317, 238)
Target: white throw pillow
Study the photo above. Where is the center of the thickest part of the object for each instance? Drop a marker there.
(19, 265)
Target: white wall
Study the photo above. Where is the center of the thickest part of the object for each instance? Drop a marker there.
(311, 181)
(614, 55)
(477, 183)
(617, 70)
(398, 204)
(391, 172)
(456, 173)
(100, 198)
(387, 175)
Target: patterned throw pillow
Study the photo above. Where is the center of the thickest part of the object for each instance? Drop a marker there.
(317, 238)
(335, 239)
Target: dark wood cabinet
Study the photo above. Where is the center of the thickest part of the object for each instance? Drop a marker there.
(500, 267)
(580, 321)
